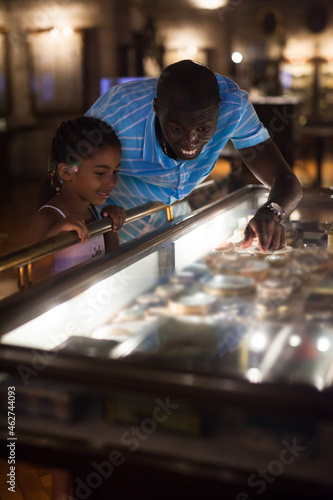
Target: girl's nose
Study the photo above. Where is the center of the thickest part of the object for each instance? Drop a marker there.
(113, 181)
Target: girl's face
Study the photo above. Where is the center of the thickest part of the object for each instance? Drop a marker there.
(97, 175)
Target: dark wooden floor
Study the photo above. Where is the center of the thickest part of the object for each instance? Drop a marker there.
(33, 482)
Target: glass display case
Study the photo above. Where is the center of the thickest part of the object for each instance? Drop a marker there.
(183, 358)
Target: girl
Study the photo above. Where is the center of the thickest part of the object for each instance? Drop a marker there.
(83, 166)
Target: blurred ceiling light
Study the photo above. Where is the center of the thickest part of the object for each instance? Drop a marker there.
(298, 50)
(191, 50)
(237, 57)
(209, 4)
(55, 32)
(67, 31)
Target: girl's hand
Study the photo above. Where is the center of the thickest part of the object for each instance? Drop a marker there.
(117, 214)
(70, 223)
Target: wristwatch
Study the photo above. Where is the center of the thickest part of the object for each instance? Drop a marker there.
(277, 210)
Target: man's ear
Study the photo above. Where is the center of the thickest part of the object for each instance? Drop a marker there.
(155, 106)
(65, 171)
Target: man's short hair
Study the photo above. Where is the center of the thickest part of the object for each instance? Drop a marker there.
(188, 85)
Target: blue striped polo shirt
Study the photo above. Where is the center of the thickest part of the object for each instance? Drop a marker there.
(146, 173)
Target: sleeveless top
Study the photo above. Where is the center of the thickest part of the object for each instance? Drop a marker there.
(71, 256)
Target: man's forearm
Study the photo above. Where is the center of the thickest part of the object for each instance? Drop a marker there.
(287, 192)
(266, 162)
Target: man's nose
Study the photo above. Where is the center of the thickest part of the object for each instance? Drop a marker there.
(191, 137)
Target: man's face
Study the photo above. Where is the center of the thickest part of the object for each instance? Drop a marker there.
(187, 132)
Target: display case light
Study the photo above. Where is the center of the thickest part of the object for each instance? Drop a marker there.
(323, 344)
(258, 342)
(295, 215)
(254, 375)
(295, 340)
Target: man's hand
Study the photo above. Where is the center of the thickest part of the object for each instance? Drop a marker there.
(117, 214)
(267, 163)
(270, 234)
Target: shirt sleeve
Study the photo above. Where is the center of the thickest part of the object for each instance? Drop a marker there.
(249, 131)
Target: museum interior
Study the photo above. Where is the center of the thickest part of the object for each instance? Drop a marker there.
(57, 57)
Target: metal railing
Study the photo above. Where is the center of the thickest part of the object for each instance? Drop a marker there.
(24, 256)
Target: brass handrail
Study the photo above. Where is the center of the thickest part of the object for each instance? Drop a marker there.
(29, 253)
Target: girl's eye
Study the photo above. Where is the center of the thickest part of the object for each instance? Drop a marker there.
(176, 129)
(100, 173)
(204, 129)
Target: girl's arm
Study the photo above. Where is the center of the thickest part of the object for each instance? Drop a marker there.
(44, 225)
(39, 227)
(118, 216)
(111, 241)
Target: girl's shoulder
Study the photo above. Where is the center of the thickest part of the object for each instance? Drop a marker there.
(46, 217)
(52, 210)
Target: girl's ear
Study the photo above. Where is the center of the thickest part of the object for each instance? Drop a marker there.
(65, 171)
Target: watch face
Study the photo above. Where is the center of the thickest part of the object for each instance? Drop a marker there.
(279, 210)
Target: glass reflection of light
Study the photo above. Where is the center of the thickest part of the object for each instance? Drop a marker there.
(319, 382)
(323, 344)
(46, 331)
(254, 375)
(295, 340)
(296, 215)
(258, 342)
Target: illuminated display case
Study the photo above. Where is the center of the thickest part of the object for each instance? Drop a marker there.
(148, 360)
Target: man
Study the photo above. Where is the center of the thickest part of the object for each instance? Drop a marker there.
(172, 130)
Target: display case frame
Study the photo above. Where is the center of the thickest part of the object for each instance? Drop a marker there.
(230, 411)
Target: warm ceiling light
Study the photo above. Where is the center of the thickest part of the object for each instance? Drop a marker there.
(237, 57)
(209, 4)
(191, 50)
(67, 31)
(54, 32)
